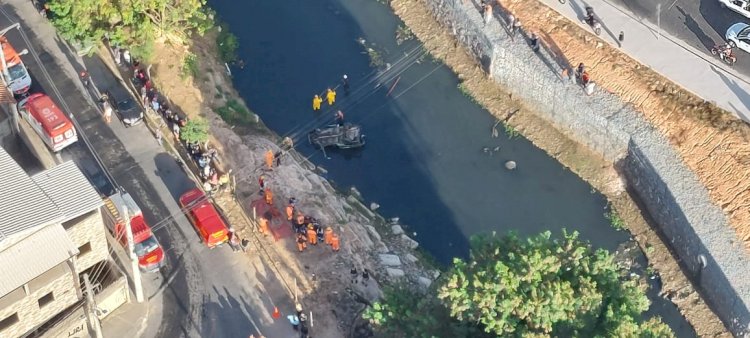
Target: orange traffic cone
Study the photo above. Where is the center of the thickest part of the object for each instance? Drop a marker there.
(276, 314)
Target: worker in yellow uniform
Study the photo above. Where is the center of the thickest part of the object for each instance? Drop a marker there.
(316, 102)
(331, 96)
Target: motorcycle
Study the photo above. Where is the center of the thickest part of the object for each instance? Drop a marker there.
(728, 58)
(592, 21)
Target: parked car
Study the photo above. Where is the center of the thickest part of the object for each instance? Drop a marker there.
(740, 6)
(17, 76)
(737, 36)
(126, 108)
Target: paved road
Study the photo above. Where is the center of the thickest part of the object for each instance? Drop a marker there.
(201, 292)
(700, 24)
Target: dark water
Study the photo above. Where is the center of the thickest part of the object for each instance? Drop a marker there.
(424, 160)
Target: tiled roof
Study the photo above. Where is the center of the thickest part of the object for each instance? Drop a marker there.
(69, 190)
(34, 255)
(23, 205)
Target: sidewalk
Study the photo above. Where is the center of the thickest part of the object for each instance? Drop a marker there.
(665, 54)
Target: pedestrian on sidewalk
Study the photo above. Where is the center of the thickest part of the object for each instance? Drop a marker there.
(159, 136)
(84, 78)
(534, 42)
(277, 157)
(116, 55)
(176, 131)
(516, 27)
(487, 13)
(126, 57)
(620, 39)
(511, 21)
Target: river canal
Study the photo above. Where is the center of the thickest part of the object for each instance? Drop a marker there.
(430, 156)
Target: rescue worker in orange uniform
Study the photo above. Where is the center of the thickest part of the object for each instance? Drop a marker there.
(269, 159)
(335, 243)
(316, 102)
(331, 96)
(312, 236)
(328, 236)
(300, 219)
(301, 243)
(289, 212)
(268, 195)
(263, 225)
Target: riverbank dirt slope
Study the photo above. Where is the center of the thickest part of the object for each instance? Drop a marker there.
(323, 279)
(588, 165)
(713, 143)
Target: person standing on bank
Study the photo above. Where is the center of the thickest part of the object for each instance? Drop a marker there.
(345, 83)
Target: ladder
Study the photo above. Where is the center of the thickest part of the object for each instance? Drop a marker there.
(113, 211)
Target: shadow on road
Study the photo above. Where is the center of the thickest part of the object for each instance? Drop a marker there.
(694, 27)
(172, 174)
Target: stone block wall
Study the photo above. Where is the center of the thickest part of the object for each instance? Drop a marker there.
(697, 230)
(88, 229)
(28, 310)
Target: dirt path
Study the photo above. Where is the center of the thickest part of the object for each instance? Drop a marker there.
(581, 160)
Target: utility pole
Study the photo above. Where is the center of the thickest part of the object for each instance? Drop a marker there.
(91, 308)
(133, 258)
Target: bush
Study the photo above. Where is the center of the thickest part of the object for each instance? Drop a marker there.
(195, 130)
(228, 44)
(189, 66)
(235, 113)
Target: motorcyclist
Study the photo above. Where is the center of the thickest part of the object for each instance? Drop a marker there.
(726, 50)
(590, 15)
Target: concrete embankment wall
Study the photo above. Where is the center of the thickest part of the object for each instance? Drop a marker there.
(693, 225)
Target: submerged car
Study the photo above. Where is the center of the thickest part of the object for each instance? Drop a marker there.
(346, 136)
(129, 112)
(737, 36)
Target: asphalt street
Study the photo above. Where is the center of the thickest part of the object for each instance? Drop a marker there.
(201, 292)
(701, 24)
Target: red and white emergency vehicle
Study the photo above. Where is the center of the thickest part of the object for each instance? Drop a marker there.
(16, 75)
(52, 125)
(147, 248)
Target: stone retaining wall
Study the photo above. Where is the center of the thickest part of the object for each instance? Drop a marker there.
(674, 197)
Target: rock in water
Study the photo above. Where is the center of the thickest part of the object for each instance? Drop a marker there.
(510, 165)
(374, 206)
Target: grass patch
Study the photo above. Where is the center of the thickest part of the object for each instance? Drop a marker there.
(235, 113)
(465, 92)
(510, 131)
(615, 220)
(189, 66)
(403, 34)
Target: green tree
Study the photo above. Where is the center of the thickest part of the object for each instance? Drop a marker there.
(195, 130)
(134, 23)
(545, 286)
(537, 287)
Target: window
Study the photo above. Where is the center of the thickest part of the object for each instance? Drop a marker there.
(84, 249)
(46, 299)
(9, 321)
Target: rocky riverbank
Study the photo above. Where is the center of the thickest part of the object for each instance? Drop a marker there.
(327, 284)
(587, 163)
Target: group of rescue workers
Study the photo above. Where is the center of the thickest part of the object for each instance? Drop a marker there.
(307, 229)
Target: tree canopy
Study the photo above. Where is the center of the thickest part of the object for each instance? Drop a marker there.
(134, 23)
(195, 130)
(537, 287)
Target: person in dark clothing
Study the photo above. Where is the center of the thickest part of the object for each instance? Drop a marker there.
(340, 118)
(345, 83)
(277, 157)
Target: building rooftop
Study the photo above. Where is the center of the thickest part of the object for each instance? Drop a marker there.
(66, 186)
(35, 254)
(23, 205)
